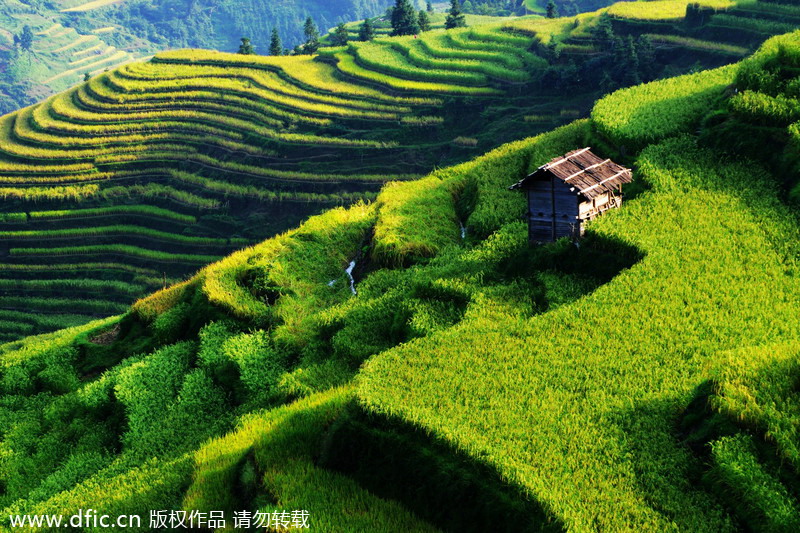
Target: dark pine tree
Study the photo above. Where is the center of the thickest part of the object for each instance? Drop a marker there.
(424, 21)
(246, 48)
(626, 61)
(366, 32)
(429, 7)
(603, 33)
(552, 10)
(404, 18)
(340, 35)
(646, 52)
(695, 15)
(25, 38)
(275, 44)
(312, 36)
(455, 18)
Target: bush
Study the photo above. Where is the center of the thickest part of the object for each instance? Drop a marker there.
(212, 357)
(169, 326)
(260, 365)
(148, 388)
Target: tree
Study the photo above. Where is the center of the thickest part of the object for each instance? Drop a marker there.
(626, 61)
(455, 18)
(695, 15)
(312, 36)
(467, 7)
(552, 10)
(275, 44)
(424, 21)
(429, 7)
(646, 53)
(404, 18)
(366, 32)
(246, 48)
(87, 76)
(607, 83)
(603, 32)
(25, 38)
(340, 35)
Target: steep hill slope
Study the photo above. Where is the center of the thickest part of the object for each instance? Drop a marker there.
(142, 175)
(146, 173)
(75, 37)
(642, 381)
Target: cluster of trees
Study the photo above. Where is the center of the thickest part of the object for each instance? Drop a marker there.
(310, 46)
(570, 8)
(623, 61)
(497, 8)
(15, 65)
(25, 38)
(218, 24)
(406, 20)
(455, 18)
(178, 23)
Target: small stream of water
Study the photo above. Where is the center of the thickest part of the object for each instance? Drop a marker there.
(349, 271)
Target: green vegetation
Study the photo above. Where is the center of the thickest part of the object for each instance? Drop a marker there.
(455, 18)
(258, 353)
(640, 116)
(193, 154)
(411, 363)
(246, 146)
(51, 46)
(405, 20)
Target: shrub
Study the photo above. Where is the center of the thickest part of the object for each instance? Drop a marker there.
(148, 388)
(260, 365)
(169, 326)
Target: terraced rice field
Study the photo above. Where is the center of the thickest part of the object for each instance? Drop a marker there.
(181, 159)
(71, 55)
(89, 5)
(145, 173)
(730, 29)
(469, 61)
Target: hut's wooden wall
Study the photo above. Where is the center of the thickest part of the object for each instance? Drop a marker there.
(566, 210)
(552, 211)
(540, 211)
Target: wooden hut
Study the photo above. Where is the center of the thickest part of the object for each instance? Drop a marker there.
(568, 191)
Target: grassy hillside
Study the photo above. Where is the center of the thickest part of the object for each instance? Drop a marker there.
(461, 380)
(140, 176)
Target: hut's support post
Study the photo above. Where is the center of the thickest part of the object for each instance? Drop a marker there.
(553, 208)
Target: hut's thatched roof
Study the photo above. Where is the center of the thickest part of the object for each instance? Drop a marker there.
(588, 174)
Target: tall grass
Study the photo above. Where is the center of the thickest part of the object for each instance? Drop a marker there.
(618, 392)
(641, 115)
